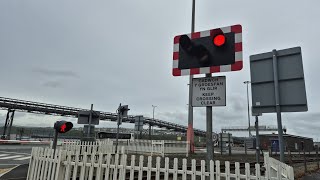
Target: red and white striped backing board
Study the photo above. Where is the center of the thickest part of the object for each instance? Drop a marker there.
(237, 66)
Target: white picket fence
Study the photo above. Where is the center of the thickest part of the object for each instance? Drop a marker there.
(66, 165)
(149, 147)
(277, 168)
(155, 147)
(89, 146)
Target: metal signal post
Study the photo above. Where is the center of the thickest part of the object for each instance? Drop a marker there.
(60, 127)
(122, 112)
(190, 133)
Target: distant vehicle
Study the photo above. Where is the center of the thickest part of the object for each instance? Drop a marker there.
(111, 135)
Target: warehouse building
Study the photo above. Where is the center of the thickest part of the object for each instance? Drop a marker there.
(291, 142)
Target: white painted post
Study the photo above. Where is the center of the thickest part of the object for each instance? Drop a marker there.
(218, 170)
(140, 168)
(54, 163)
(290, 173)
(99, 168)
(212, 170)
(107, 170)
(258, 174)
(39, 163)
(149, 167)
(158, 168)
(193, 169)
(116, 163)
(166, 168)
(133, 158)
(184, 168)
(122, 175)
(267, 165)
(203, 170)
(43, 163)
(76, 165)
(83, 166)
(92, 162)
(51, 164)
(60, 169)
(237, 170)
(247, 170)
(31, 164)
(68, 166)
(47, 159)
(227, 168)
(279, 175)
(175, 169)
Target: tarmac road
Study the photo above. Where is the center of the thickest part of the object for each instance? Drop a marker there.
(16, 158)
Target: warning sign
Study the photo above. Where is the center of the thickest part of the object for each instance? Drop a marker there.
(209, 91)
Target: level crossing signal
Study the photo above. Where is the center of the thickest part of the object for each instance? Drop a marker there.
(63, 126)
(215, 50)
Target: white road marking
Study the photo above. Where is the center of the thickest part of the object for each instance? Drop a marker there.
(3, 155)
(23, 158)
(10, 157)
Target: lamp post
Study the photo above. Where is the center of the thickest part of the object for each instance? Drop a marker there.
(247, 82)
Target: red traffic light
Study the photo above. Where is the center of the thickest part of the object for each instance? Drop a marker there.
(63, 126)
(219, 40)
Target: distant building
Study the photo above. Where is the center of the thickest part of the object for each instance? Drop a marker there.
(291, 142)
(316, 144)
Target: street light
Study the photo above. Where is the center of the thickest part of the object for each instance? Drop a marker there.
(247, 82)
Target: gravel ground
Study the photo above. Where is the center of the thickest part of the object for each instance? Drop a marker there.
(2, 171)
(312, 171)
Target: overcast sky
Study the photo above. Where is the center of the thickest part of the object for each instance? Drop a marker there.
(78, 52)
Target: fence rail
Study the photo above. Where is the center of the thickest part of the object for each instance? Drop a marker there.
(66, 165)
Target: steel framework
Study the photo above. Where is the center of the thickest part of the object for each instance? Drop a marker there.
(252, 128)
(57, 110)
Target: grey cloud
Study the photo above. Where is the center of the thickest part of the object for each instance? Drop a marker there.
(2, 119)
(175, 117)
(55, 73)
(53, 84)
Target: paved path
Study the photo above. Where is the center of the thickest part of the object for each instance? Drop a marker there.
(18, 173)
(9, 157)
